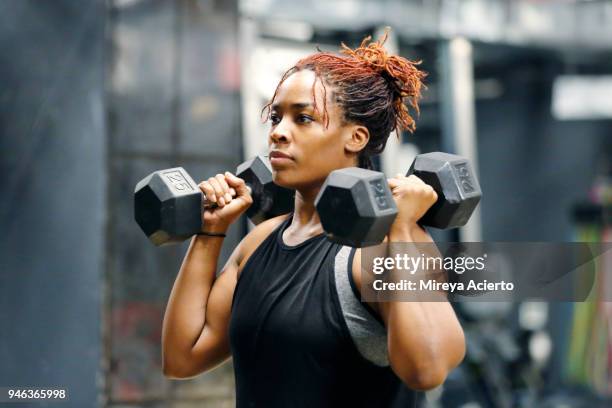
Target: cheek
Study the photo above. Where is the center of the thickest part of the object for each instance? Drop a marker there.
(331, 158)
(325, 153)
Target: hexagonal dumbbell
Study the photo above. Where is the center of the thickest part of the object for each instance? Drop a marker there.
(168, 203)
(453, 179)
(356, 207)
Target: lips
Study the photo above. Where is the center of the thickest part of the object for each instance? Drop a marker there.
(277, 154)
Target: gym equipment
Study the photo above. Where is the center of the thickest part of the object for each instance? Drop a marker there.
(356, 206)
(453, 179)
(168, 203)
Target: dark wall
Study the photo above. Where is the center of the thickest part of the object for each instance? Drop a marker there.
(534, 168)
(52, 211)
(172, 100)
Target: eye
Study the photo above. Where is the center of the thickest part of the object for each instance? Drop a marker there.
(274, 119)
(305, 119)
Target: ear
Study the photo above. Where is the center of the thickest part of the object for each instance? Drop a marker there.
(359, 137)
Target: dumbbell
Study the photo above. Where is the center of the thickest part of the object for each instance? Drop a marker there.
(356, 206)
(168, 203)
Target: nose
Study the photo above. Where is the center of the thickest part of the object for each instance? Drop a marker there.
(280, 134)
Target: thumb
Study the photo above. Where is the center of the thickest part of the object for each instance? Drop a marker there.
(393, 182)
(237, 183)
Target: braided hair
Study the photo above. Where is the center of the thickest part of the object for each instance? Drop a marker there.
(374, 89)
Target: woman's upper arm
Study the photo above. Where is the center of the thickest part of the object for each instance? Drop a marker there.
(356, 270)
(212, 347)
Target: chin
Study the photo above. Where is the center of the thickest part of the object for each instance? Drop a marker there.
(295, 182)
(281, 178)
(290, 179)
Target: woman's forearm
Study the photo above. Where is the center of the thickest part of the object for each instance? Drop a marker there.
(184, 318)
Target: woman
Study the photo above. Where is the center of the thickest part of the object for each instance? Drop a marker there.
(286, 304)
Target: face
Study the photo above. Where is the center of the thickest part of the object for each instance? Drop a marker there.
(302, 150)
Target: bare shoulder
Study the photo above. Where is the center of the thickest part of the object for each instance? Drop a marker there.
(356, 271)
(257, 235)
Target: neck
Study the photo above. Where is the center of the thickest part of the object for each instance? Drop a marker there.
(305, 214)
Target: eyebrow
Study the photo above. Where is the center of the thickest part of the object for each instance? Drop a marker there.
(294, 106)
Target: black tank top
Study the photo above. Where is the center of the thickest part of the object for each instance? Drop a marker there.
(290, 344)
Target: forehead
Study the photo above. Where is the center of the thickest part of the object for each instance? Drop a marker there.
(297, 90)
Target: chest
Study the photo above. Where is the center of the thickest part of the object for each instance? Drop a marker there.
(288, 301)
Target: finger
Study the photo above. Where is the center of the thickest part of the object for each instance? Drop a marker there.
(218, 191)
(414, 178)
(237, 183)
(221, 179)
(208, 191)
(393, 182)
(433, 193)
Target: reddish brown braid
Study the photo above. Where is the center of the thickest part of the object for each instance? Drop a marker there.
(370, 86)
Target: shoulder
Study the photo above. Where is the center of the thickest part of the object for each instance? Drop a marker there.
(419, 235)
(356, 275)
(366, 328)
(256, 236)
(356, 268)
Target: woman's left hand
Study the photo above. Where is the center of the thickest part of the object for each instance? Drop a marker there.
(413, 198)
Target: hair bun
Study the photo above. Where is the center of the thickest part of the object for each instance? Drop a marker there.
(403, 74)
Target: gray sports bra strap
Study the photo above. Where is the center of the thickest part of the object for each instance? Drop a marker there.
(369, 335)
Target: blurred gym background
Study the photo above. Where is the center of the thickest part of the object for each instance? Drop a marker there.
(96, 94)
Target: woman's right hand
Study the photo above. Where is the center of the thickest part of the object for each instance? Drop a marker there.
(232, 197)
